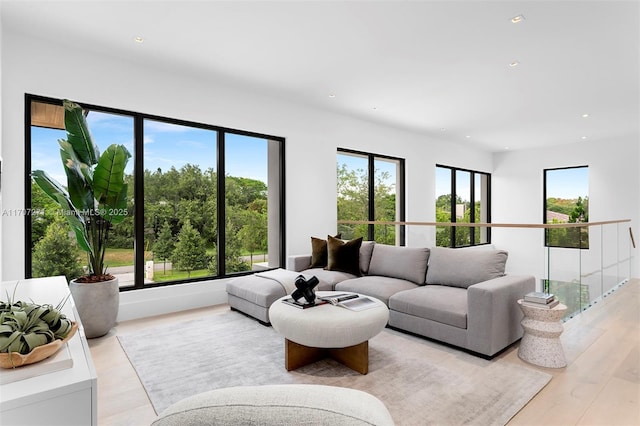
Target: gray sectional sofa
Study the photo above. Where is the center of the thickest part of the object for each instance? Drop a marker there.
(457, 296)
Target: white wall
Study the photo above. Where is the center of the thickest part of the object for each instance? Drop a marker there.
(1, 126)
(42, 67)
(517, 197)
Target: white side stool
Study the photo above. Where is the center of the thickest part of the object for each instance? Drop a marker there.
(540, 344)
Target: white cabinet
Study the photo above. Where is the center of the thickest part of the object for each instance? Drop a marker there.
(65, 397)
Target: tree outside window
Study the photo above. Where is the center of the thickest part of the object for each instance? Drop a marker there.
(204, 202)
(462, 196)
(566, 200)
(370, 187)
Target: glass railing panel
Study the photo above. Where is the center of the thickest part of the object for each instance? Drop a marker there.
(590, 268)
(625, 250)
(563, 278)
(610, 257)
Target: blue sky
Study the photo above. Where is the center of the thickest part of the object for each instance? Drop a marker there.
(355, 162)
(561, 183)
(568, 183)
(165, 145)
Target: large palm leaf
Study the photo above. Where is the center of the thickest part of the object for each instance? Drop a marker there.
(54, 190)
(93, 181)
(109, 187)
(78, 134)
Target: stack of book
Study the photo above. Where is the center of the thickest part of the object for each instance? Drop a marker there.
(539, 299)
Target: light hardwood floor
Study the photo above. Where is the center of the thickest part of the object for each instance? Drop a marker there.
(600, 385)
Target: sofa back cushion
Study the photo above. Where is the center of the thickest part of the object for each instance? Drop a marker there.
(366, 250)
(462, 268)
(407, 263)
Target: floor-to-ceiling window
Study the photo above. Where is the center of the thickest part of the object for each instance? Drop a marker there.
(204, 201)
(462, 196)
(370, 188)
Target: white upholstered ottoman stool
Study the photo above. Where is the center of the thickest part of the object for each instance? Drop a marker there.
(278, 405)
(314, 333)
(254, 294)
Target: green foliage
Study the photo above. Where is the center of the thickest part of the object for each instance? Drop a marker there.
(56, 253)
(253, 234)
(189, 194)
(353, 203)
(461, 235)
(577, 211)
(95, 197)
(25, 326)
(164, 245)
(44, 211)
(190, 251)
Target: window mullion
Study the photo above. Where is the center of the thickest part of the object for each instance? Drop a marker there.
(221, 205)
(453, 207)
(372, 193)
(472, 206)
(138, 206)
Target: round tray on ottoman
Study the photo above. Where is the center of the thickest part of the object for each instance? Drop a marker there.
(328, 330)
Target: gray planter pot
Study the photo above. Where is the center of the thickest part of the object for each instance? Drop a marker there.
(97, 305)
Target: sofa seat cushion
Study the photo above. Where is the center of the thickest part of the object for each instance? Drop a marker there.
(462, 267)
(379, 287)
(257, 290)
(328, 279)
(443, 304)
(408, 263)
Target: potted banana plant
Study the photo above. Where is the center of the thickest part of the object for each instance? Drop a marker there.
(94, 199)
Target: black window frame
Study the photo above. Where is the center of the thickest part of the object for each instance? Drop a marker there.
(400, 191)
(453, 219)
(138, 166)
(548, 231)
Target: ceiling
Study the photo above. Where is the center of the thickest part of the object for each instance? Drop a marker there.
(440, 68)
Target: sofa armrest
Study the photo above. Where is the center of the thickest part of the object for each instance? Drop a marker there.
(493, 312)
(298, 262)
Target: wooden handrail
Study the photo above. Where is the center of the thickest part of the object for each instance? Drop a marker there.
(486, 225)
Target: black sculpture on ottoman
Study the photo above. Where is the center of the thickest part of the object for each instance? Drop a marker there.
(304, 288)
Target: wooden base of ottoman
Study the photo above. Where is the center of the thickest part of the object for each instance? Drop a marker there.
(355, 357)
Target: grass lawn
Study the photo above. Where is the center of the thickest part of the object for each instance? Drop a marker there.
(116, 257)
(174, 275)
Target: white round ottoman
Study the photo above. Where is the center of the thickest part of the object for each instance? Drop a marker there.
(327, 330)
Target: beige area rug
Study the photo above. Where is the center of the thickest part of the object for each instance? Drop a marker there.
(420, 381)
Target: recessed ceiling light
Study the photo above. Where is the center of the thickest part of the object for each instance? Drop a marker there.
(506, 147)
(585, 115)
(514, 64)
(375, 108)
(139, 39)
(583, 137)
(332, 95)
(468, 137)
(517, 19)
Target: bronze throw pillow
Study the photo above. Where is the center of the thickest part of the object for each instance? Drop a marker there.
(319, 252)
(344, 256)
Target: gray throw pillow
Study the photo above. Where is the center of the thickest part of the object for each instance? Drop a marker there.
(407, 263)
(366, 250)
(462, 268)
